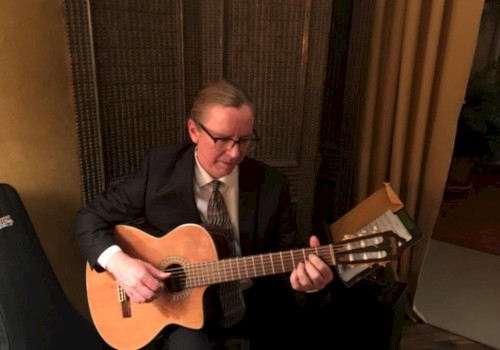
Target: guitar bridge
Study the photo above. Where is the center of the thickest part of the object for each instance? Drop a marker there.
(124, 302)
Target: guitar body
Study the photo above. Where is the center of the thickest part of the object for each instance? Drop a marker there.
(128, 325)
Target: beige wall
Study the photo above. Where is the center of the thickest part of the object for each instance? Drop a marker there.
(39, 152)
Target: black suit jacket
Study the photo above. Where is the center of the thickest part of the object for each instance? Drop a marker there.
(161, 191)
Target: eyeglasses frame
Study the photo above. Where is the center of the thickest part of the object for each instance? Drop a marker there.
(256, 137)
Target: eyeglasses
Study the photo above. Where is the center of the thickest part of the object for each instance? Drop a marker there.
(246, 144)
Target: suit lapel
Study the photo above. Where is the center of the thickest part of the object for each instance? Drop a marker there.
(247, 207)
(182, 181)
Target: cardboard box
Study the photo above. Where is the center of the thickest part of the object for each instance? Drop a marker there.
(381, 211)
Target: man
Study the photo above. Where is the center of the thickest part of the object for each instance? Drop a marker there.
(173, 186)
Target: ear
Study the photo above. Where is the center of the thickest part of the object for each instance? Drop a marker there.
(193, 130)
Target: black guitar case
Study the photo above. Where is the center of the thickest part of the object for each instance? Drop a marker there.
(35, 313)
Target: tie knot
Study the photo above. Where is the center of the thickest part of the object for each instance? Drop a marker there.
(215, 185)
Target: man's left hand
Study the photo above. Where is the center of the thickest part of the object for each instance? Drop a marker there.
(313, 274)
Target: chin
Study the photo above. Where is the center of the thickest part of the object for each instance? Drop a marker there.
(225, 170)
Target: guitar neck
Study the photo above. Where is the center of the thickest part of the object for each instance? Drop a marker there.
(226, 270)
(373, 248)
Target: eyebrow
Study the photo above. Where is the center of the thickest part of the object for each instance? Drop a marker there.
(244, 137)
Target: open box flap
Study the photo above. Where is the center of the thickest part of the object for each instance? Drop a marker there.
(366, 212)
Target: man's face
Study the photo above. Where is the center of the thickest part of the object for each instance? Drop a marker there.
(221, 122)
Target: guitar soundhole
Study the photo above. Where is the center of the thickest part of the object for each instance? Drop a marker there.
(176, 282)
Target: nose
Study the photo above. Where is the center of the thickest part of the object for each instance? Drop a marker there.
(234, 151)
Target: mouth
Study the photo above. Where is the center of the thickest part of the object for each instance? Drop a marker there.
(228, 164)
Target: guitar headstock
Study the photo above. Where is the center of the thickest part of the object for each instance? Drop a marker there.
(370, 247)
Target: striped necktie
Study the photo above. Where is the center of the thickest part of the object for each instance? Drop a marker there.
(233, 305)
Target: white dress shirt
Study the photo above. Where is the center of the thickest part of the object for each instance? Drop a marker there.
(229, 190)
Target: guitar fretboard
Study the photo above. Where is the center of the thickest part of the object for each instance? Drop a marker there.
(202, 274)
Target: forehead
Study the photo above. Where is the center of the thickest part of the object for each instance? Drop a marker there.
(229, 121)
(220, 113)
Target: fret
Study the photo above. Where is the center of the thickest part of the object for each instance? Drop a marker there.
(231, 268)
(209, 272)
(189, 278)
(272, 262)
(217, 276)
(231, 271)
(192, 277)
(238, 269)
(199, 274)
(187, 275)
(261, 270)
(246, 267)
(253, 263)
(282, 263)
(224, 269)
(262, 264)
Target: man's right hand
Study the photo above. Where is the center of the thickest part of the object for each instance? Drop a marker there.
(140, 280)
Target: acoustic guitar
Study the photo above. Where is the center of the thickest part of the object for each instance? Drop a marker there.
(190, 254)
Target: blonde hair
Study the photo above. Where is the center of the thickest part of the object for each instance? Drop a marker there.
(219, 92)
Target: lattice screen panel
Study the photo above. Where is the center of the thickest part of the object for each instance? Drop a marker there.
(271, 37)
(127, 58)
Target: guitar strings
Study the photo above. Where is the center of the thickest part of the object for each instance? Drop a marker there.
(289, 256)
(206, 273)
